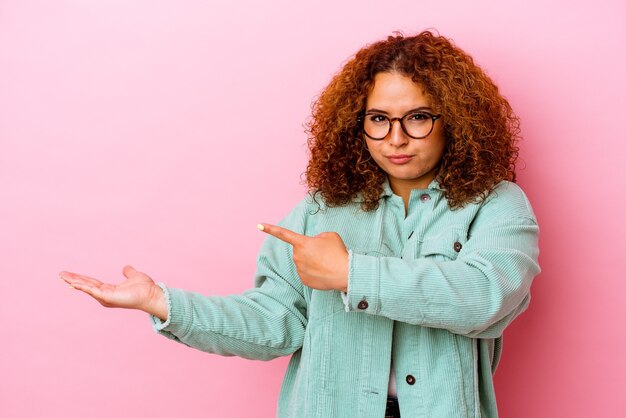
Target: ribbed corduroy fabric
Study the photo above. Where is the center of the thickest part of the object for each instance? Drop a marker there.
(433, 289)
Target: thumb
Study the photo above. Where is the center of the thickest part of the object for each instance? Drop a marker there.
(129, 271)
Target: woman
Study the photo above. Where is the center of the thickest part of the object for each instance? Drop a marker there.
(391, 283)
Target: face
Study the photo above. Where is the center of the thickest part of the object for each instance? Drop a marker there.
(409, 163)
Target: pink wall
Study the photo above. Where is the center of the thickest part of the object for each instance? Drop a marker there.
(123, 123)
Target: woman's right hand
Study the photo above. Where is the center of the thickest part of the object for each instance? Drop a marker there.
(138, 291)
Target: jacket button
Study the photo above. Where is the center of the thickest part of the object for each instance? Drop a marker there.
(425, 197)
(410, 379)
(362, 305)
(457, 246)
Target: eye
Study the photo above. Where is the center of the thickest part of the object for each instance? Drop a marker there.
(378, 119)
(418, 117)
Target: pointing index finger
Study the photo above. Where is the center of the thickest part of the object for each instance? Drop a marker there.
(282, 234)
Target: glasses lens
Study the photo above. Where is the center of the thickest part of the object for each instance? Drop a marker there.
(417, 125)
(376, 126)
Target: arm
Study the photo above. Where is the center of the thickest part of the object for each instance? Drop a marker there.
(262, 323)
(477, 294)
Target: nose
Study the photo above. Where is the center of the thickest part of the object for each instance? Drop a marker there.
(396, 134)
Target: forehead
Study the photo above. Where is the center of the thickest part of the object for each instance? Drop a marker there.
(394, 91)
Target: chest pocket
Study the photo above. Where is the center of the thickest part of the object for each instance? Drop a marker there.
(445, 246)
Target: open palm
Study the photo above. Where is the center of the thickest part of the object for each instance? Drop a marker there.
(136, 292)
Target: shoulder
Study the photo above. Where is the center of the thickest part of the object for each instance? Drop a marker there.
(300, 215)
(508, 200)
(312, 215)
(314, 205)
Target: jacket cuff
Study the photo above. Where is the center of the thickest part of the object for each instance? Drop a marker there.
(363, 284)
(178, 309)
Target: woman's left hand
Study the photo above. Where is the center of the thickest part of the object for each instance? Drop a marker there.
(321, 261)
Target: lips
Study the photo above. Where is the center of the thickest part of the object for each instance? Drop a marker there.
(400, 158)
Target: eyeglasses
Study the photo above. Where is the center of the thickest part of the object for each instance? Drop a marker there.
(416, 125)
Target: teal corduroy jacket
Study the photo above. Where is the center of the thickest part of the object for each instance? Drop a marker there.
(430, 292)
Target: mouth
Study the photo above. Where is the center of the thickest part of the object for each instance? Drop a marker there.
(400, 158)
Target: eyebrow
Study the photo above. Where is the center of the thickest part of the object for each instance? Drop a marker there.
(412, 110)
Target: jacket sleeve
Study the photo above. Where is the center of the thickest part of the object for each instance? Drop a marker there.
(264, 322)
(477, 294)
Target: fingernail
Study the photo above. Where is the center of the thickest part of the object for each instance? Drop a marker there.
(261, 227)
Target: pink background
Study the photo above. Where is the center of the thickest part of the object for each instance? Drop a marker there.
(159, 133)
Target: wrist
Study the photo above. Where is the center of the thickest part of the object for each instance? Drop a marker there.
(343, 284)
(157, 305)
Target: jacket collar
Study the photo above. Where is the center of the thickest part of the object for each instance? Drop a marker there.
(433, 185)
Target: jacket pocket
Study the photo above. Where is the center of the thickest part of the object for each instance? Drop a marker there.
(445, 245)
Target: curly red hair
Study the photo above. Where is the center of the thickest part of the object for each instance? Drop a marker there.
(481, 129)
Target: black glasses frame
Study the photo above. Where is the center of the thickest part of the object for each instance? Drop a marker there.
(390, 122)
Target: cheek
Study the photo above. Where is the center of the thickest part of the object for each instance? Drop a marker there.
(438, 147)
(374, 150)
(441, 149)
